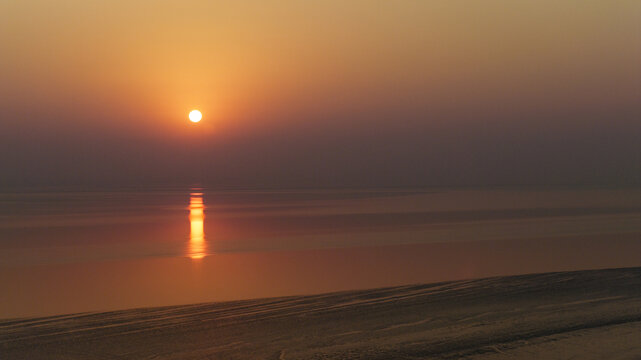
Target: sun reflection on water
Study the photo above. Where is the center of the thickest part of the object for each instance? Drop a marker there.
(197, 247)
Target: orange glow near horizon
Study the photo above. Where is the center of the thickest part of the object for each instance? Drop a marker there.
(250, 66)
(197, 246)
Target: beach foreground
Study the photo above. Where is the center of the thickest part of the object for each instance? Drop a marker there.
(585, 314)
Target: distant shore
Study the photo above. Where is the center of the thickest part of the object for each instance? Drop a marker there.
(589, 314)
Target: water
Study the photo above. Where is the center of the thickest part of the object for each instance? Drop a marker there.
(63, 252)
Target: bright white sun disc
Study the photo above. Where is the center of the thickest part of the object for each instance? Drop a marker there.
(195, 116)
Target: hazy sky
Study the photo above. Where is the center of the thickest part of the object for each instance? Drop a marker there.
(328, 93)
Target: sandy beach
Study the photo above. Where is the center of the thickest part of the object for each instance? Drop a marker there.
(583, 314)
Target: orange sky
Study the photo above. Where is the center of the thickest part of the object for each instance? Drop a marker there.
(138, 67)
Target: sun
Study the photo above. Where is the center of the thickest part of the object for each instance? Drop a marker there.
(195, 116)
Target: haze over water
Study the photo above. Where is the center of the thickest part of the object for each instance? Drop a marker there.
(461, 139)
(87, 251)
(332, 94)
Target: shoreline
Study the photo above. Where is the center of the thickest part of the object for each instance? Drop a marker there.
(328, 293)
(476, 318)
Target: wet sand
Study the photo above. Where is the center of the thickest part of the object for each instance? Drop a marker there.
(584, 314)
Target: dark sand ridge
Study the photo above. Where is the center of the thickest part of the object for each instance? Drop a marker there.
(587, 314)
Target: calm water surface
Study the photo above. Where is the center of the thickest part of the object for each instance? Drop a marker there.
(63, 252)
